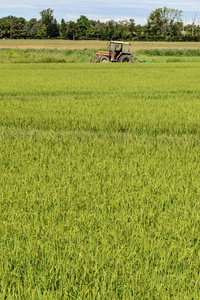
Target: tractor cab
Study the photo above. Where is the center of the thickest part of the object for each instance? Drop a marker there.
(116, 49)
(119, 47)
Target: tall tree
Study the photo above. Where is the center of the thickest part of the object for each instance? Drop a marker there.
(63, 29)
(52, 30)
(5, 24)
(131, 27)
(28, 27)
(173, 19)
(16, 27)
(42, 31)
(34, 30)
(194, 18)
(162, 20)
(71, 31)
(47, 16)
(83, 25)
(110, 29)
(155, 21)
(93, 31)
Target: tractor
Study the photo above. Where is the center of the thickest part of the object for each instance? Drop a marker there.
(117, 52)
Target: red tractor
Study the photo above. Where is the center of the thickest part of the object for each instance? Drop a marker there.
(117, 52)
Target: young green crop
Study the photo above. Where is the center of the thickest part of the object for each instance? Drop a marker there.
(85, 55)
(99, 195)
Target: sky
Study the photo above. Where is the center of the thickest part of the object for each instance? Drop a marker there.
(103, 10)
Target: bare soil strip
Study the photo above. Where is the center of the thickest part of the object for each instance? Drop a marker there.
(66, 44)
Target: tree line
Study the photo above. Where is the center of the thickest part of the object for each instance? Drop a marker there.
(162, 24)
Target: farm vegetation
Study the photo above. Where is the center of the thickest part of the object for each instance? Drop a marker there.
(99, 193)
(13, 55)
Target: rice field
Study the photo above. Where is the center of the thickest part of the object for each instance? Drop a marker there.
(100, 170)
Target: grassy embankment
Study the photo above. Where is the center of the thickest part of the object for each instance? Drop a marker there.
(99, 193)
(84, 56)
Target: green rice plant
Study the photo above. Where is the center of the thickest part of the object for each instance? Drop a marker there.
(45, 55)
(169, 52)
(99, 194)
(85, 55)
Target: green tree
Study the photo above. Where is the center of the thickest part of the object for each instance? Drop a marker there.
(174, 21)
(155, 21)
(131, 27)
(163, 21)
(93, 31)
(83, 25)
(138, 30)
(34, 30)
(47, 16)
(103, 31)
(71, 32)
(110, 29)
(125, 33)
(5, 24)
(28, 27)
(42, 31)
(63, 29)
(52, 30)
(16, 27)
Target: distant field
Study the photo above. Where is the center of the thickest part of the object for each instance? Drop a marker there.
(99, 193)
(64, 44)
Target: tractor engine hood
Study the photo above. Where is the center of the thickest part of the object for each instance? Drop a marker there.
(101, 53)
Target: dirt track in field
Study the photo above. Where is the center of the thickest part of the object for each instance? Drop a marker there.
(65, 44)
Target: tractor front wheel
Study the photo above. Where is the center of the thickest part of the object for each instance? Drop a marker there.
(104, 59)
(125, 58)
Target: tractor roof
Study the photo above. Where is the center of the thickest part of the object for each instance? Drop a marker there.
(120, 42)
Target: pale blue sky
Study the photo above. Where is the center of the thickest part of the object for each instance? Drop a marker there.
(102, 10)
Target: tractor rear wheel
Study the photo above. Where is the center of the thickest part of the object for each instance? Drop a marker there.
(125, 58)
(104, 59)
